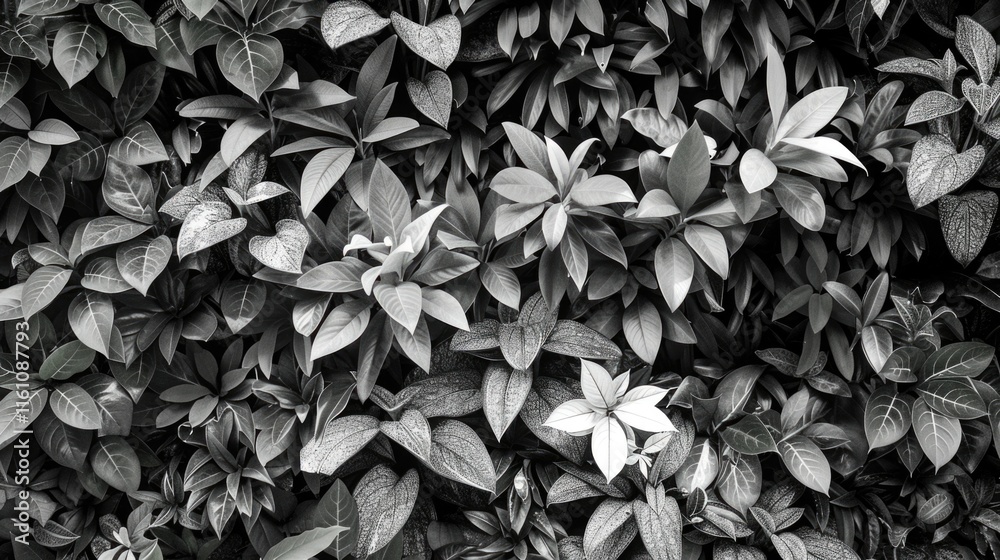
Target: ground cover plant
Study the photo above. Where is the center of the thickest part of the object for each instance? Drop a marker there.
(567, 279)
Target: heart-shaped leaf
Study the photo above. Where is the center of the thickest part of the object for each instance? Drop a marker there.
(284, 250)
(250, 61)
(141, 261)
(205, 225)
(437, 43)
(432, 97)
(265, 190)
(350, 20)
(385, 502)
(966, 220)
(936, 168)
(981, 96)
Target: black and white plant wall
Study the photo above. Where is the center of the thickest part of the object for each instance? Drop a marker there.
(499, 279)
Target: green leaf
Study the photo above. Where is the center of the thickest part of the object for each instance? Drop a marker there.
(349, 20)
(689, 169)
(42, 287)
(888, 415)
(129, 19)
(959, 359)
(459, 454)
(250, 61)
(432, 97)
(339, 440)
(811, 113)
(806, 462)
(116, 463)
(205, 225)
(141, 261)
(756, 170)
(77, 49)
(966, 221)
(321, 174)
(15, 155)
(956, 398)
(284, 250)
(91, 316)
(936, 168)
(385, 502)
(306, 545)
(437, 43)
(74, 406)
(504, 391)
(749, 436)
(938, 435)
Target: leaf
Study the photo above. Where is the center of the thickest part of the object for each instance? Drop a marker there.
(936, 168)
(402, 302)
(607, 522)
(740, 481)
(520, 342)
(710, 245)
(139, 146)
(938, 435)
(349, 20)
(955, 398)
(412, 431)
(42, 288)
(250, 61)
(734, 391)
(824, 547)
(337, 509)
(458, 453)
(659, 522)
(571, 338)
(241, 301)
(141, 261)
(74, 406)
(977, 47)
(643, 329)
(811, 113)
(91, 316)
(806, 462)
(456, 394)
(321, 174)
(240, 135)
(127, 18)
(801, 200)
(749, 436)
(24, 39)
(70, 358)
(689, 169)
(888, 416)
(546, 394)
(343, 326)
(936, 508)
(283, 251)
(128, 190)
(522, 185)
(205, 225)
(77, 49)
(877, 345)
(959, 359)
(665, 131)
(15, 155)
(432, 97)
(966, 221)
(109, 230)
(982, 97)
(385, 502)
(14, 74)
(338, 441)
(116, 463)
(388, 203)
(756, 170)
(437, 43)
(931, 105)
(53, 132)
(305, 545)
(504, 391)
(601, 190)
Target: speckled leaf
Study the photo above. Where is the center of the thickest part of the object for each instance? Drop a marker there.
(284, 250)
(504, 391)
(936, 168)
(966, 221)
(931, 105)
(458, 453)
(205, 225)
(432, 97)
(350, 20)
(437, 43)
(340, 440)
(412, 432)
(385, 502)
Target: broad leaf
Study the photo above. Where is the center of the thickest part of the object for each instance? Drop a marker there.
(806, 462)
(250, 61)
(966, 221)
(437, 43)
(339, 440)
(77, 49)
(285, 249)
(888, 415)
(385, 502)
(458, 453)
(349, 20)
(937, 169)
(939, 436)
(141, 261)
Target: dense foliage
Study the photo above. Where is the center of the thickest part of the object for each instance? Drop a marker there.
(652, 279)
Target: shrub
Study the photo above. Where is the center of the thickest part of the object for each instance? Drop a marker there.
(573, 279)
